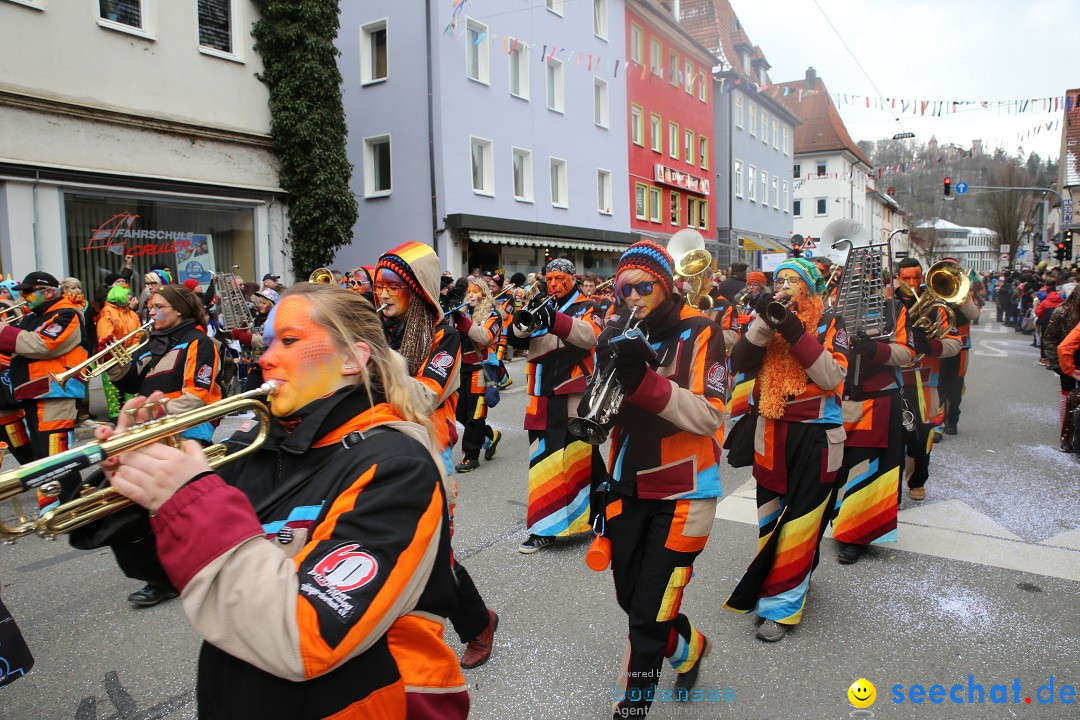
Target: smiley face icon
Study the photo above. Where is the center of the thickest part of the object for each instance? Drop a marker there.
(862, 693)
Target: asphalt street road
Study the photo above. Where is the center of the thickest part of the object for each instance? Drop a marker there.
(983, 588)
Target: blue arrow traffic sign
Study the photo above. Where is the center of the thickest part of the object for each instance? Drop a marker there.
(961, 188)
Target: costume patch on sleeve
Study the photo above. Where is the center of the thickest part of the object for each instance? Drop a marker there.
(441, 363)
(841, 339)
(337, 576)
(205, 376)
(714, 380)
(52, 330)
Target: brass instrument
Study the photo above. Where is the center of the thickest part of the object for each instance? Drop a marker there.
(322, 276)
(946, 282)
(233, 310)
(94, 504)
(527, 315)
(11, 308)
(502, 292)
(693, 263)
(777, 311)
(604, 403)
(119, 352)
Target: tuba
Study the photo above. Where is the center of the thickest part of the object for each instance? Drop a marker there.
(233, 310)
(94, 504)
(693, 264)
(322, 276)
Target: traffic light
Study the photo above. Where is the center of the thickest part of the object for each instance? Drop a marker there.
(948, 186)
(1068, 245)
(1059, 254)
(796, 249)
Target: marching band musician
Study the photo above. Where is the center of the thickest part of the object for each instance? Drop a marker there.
(48, 339)
(799, 364)
(116, 320)
(954, 369)
(921, 388)
(560, 345)
(505, 307)
(183, 364)
(664, 477)
(407, 278)
(869, 480)
(251, 338)
(480, 327)
(317, 569)
(602, 300)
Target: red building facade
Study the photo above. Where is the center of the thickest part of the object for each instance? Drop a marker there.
(670, 97)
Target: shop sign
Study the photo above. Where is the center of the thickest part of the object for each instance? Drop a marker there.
(680, 179)
(193, 252)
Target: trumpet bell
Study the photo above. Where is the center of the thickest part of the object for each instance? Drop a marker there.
(587, 430)
(693, 262)
(948, 281)
(322, 276)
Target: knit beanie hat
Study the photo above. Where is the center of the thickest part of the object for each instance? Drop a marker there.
(417, 264)
(651, 257)
(118, 295)
(756, 277)
(561, 265)
(192, 284)
(807, 271)
(112, 277)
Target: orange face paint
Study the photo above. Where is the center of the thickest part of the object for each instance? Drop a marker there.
(391, 290)
(301, 358)
(911, 276)
(558, 283)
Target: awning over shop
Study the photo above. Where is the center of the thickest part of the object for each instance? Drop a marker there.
(542, 241)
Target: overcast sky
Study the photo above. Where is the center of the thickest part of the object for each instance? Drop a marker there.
(929, 50)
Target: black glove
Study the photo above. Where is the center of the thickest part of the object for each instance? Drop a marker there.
(630, 371)
(762, 302)
(791, 327)
(545, 317)
(456, 315)
(864, 345)
(922, 341)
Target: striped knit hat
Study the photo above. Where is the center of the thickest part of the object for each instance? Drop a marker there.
(807, 271)
(417, 264)
(651, 257)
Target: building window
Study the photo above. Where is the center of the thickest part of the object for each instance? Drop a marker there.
(703, 151)
(673, 140)
(750, 185)
(764, 188)
(378, 179)
(751, 114)
(776, 192)
(654, 204)
(775, 134)
(688, 146)
(600, 102)
(796, 208)
(656, 134)
(796, 171)
(764, 127)
(746, 65)
(519, 71)
(129, 13)
(637, 130)
(560, 195)
(676, 209)
(215, 25)
(555, 6)
(702, 88)
(477, 56)
(599, 22)
(636, 38)
(738, 111)
(641, 201)
(656, 64)
(555, 87)
(373, 52)
(822, 168)
(785, 140)
(787, 197)
(603, 192)
(673, 67)
(483, 166)
(822, 207)
(688, 77)
(691, 212)
(703, 214)
(523, 176)
(738, 178)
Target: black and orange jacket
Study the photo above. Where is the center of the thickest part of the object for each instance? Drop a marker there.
(47, 341)
(184, 364)
(868, 403)
(560, 358)
(327, 602)
(665, 444)
(478, 337)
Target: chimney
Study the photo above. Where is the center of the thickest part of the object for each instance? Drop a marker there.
(811, 78)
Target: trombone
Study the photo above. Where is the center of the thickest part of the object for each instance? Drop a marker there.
(11, 308)
(119, 352)
(94, 504)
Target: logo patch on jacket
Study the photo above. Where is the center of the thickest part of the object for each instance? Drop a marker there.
(342, 571)
(441, 363)
(52, 330)
(841, 339)
(714, 380)
(205, 375)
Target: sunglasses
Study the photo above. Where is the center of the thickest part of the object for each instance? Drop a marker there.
(359, 283)
(643, 288)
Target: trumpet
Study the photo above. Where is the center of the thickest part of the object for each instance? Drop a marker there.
(777, 311)
(94, 504)
(322, 276)
(527, 315)
(11, 308)
(502, 292)
(606, 401)
(119, 352)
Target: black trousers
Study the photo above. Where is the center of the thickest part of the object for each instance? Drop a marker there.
(472, 412)
(469, 616)
(951, 387)
(653, 547)
(917, 443)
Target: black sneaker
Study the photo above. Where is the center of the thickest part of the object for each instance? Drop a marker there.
(151, 595)
(849, 554)
(950, 429)
(490, 451)
(685, 682)
(467, 465)
(534, 543)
